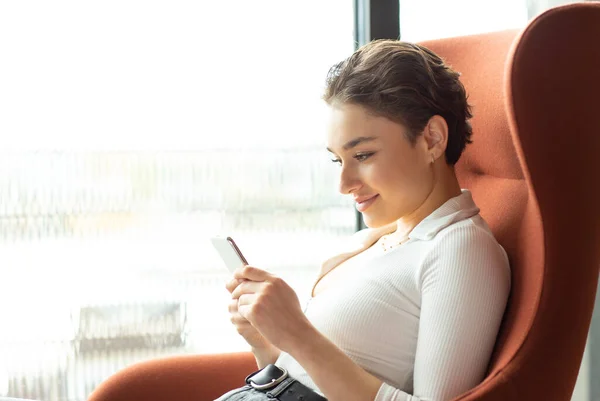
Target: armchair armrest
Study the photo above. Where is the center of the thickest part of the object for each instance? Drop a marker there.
(180, 378)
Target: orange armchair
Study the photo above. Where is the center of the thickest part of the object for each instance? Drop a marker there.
(534, 171)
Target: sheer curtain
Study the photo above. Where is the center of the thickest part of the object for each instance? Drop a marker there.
(133, 132)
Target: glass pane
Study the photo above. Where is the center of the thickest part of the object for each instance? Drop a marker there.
(132, 133)
(434, 19)
(535, 7)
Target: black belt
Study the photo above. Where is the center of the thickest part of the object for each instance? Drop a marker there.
(276, 383)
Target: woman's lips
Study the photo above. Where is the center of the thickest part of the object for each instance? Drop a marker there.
(364, 203)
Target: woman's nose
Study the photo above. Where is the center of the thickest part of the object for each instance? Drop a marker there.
(349, 181)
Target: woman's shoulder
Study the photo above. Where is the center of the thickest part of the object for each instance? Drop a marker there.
(469, 241)
(474, 228)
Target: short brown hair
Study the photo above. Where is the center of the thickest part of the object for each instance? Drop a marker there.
(406, 83)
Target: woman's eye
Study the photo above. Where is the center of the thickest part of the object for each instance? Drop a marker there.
(361, 157)
(336, 161)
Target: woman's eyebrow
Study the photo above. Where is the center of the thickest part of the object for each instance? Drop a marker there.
(355, 142)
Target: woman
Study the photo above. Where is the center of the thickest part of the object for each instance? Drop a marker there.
(412, 309)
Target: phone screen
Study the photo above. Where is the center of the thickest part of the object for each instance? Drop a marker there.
(229, 252)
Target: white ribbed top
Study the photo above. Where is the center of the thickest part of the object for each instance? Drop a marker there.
(422, 317)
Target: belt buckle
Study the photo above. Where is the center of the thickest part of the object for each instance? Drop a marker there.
(272, 383)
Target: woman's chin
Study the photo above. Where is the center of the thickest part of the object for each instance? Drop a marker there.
(376, 221)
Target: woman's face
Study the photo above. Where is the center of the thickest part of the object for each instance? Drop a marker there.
(385, 174)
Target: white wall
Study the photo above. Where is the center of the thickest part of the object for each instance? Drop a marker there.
(582, 387)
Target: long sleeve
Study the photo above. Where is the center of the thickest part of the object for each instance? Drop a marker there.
(464, 283)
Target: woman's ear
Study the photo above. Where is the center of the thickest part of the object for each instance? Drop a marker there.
(436, 136)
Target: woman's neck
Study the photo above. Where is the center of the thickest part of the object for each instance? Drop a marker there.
(445, 187)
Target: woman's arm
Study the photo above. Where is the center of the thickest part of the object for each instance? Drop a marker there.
(265, 355)
(272, 307)
(334, 373)
(264, 352)
(464, 284)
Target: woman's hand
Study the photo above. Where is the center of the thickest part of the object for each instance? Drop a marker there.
(271, 306)
(242, 325)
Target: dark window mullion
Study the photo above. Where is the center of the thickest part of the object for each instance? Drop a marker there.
(377, 19)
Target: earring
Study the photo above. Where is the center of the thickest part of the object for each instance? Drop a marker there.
(432, 158)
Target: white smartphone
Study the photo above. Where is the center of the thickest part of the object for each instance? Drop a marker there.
(229, 252)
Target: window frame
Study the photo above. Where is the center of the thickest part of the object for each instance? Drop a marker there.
(378, 19)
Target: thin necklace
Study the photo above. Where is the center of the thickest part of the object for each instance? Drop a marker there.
(388, 243)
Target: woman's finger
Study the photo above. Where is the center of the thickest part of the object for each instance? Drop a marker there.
(245, 304)
(245, 300)
(232, 284)
(236, 318)
(251, 273)
(239, 320)
(247, 287)
(232, 307)
(244, 328)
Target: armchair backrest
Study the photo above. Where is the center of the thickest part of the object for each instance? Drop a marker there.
(534, 170)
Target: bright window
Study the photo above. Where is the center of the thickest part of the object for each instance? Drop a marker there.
(434, 19)
(132, 132)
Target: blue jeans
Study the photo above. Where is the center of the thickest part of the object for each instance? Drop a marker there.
(245, 393)
(288, 389)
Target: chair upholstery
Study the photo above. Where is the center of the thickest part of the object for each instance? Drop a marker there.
(533, 170)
